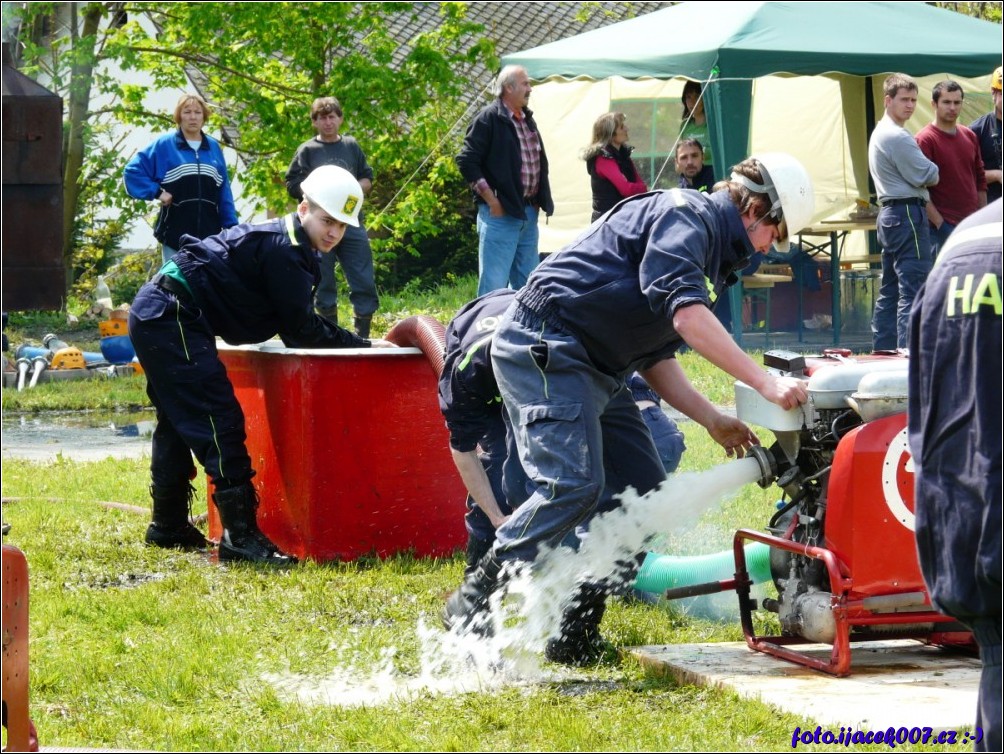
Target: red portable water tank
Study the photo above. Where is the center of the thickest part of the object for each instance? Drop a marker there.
(350, 449)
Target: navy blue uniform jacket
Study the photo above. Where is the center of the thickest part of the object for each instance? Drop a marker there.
(254, 281)
(468, 393)
(617, 287)
(955, 421)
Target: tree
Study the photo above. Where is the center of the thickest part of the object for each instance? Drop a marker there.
(403, 102)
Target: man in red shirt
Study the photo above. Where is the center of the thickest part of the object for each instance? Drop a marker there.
(955, 149)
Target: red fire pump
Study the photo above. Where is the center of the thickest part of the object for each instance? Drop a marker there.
(843, 555)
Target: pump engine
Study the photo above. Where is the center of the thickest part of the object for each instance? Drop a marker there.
(843, 554)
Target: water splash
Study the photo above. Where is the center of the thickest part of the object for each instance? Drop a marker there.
(613, 540)
(529, 612)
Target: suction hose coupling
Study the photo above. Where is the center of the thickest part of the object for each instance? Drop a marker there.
(768, 466)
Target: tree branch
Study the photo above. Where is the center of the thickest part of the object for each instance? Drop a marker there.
(216, 64)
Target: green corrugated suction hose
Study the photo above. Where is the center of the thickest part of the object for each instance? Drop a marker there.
(661, 572)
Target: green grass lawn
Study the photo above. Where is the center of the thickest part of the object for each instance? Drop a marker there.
(134, 647)
(139, 648)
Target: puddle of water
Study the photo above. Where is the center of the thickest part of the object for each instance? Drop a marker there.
(80, 435)
(460, 661)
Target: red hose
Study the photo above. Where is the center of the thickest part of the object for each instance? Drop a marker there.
(425, 333)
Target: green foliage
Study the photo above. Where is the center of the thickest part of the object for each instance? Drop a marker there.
(988, 11)
(98, 393)
(401, 103)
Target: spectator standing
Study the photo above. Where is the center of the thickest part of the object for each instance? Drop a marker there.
(695, 121)
(694, 174)
(901, 174)
(504, 161)
(612, 173)
(988, 131)
(955, 149)
(185, 172)
(329, 147)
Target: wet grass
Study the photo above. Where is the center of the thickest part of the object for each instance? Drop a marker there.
(134, 647)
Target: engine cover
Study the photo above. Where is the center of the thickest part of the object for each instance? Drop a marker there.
(869, 517)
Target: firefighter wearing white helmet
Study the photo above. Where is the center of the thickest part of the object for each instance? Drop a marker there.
(336, 191)
(626, 295)
(244, 285)
(788, 187)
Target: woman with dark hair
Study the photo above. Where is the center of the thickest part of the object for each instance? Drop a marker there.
(695, 122)
(608, 160)
(185, 172)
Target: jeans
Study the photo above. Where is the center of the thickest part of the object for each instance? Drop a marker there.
(939, 237)
(507, 249)
(580, 436)
(353, 253)
(903, 234)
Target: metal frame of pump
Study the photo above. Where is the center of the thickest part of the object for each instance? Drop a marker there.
(848, 611)
(857, 576)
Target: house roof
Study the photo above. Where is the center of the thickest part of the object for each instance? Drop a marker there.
(516, 26)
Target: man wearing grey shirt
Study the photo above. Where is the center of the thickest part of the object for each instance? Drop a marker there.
(354, 254)
(901, 174)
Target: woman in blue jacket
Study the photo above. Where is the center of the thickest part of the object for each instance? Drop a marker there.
(185, 172)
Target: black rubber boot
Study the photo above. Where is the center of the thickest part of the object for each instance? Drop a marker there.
(476, 549)
(580, 642)
(171, 526)
(468, 607)
(242, 540)
(362, 324)
(329, 314)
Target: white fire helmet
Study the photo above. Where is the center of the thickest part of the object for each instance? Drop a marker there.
(336, 191)
(789, 188)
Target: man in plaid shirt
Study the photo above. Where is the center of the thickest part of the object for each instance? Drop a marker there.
(504, 162)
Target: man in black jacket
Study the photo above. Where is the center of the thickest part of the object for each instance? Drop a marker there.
(504, 162)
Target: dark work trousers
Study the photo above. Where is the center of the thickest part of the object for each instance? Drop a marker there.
(580, 435)
(988, 711)
(355, 256)
(197, 411)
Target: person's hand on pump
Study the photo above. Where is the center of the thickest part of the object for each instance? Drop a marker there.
(732, 434)
(786, 392)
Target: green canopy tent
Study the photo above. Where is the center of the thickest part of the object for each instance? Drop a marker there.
(728, 44)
